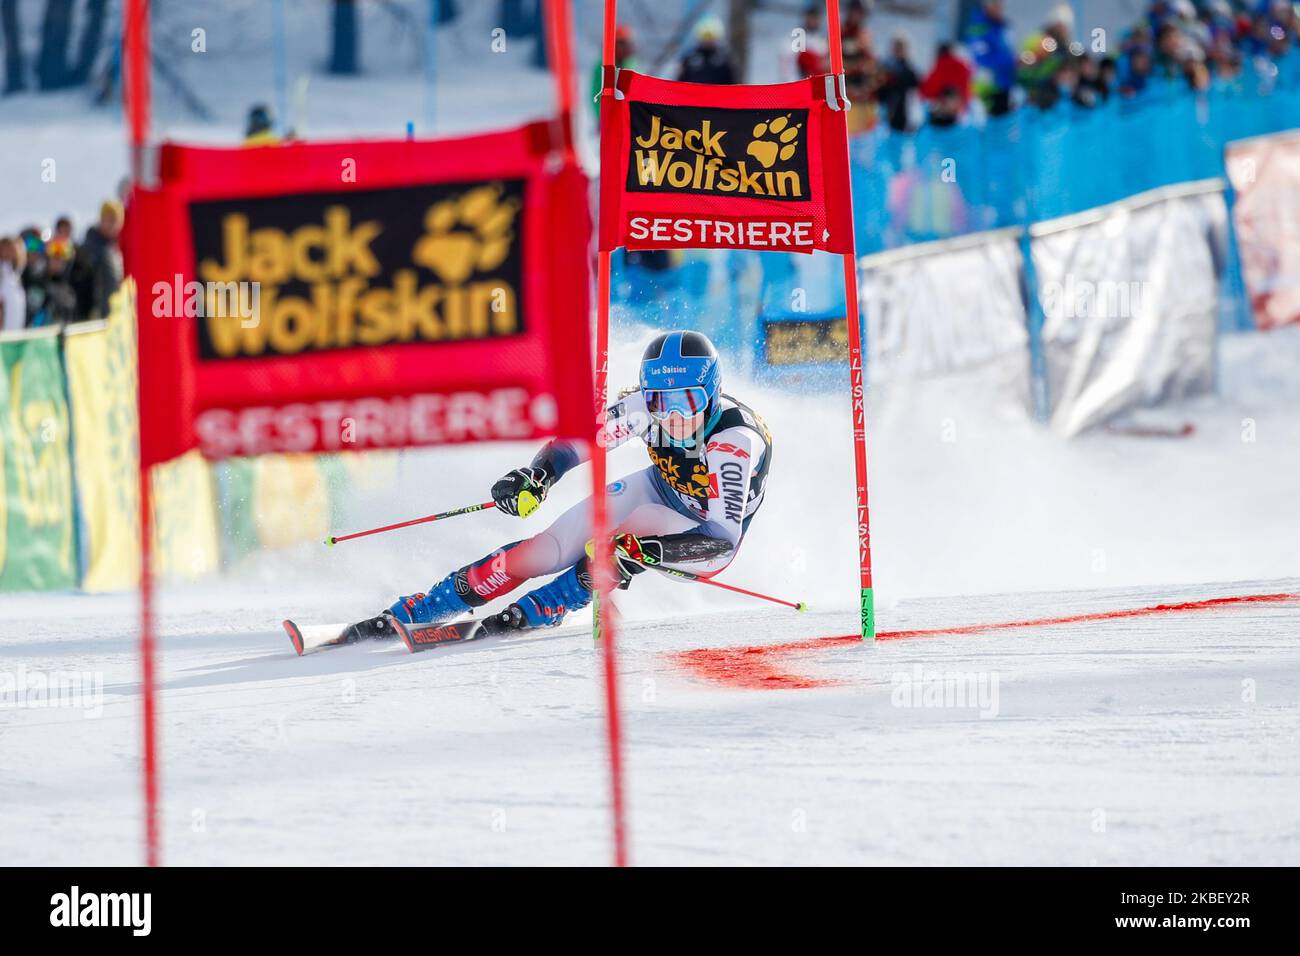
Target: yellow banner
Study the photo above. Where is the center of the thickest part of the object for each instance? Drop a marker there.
(100, 363)
(101, 369)
(186, 539)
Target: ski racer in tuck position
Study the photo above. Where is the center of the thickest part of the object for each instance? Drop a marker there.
(689, 509)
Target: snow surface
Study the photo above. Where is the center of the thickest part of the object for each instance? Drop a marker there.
(1163, 739)
(1127, 742)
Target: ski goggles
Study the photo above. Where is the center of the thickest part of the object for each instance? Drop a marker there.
(686, 402)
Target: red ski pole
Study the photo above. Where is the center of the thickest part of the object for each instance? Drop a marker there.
(797, 605)
(467, 510)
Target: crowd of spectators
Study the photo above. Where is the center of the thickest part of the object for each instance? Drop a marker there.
(1178, 44)
(47, 278)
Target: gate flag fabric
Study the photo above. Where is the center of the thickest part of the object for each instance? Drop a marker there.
(696, 166)
(321, 297)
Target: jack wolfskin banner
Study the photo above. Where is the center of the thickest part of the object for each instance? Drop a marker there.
(687, 165)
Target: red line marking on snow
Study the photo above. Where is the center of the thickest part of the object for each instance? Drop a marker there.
(1095, 616)
(758, 667)
(762, 666)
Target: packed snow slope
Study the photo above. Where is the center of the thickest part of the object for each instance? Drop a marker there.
(1167, 737)
(1163, 739)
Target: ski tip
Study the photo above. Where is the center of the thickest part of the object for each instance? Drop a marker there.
(329, 542)
(295, 635)
(803, 606)
(400, 628)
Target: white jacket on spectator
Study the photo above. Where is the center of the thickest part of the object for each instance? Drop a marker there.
(13, 300)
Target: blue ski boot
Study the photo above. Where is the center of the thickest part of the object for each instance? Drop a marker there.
(441, 603)
(545, 606)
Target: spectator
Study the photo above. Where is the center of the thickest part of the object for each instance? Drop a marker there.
(1042, 56)
(1094, 88)
(1227, 64)
(946, 108)
(1172, 50)
(1220, 23)
(988, 39)
(97, 269)
(1135, 72)
(13, 301)
(50, 299)
(1279, 42)
(949, 75)
(897, 91)
(1060, 30)
(59, 300)
(624, 59)
(62, 229)
(709, 61)
(1066, 85)
(1108, 75)
(260, 130)
(1158, 14)
(1197, 75)
(813, 59)
(33, 273)
(855, 45)
(862, 71)
(1138, 37)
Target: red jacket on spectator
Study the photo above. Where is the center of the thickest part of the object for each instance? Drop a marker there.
(949, 70)
(812, 62)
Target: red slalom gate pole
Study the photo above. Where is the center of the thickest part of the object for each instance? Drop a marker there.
(603, 553)
(467, 510)
(561, 53)
(603, 570)
(852, 321)
(135, 89)
(135, 43)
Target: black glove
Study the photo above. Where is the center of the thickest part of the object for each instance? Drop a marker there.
(522, 490)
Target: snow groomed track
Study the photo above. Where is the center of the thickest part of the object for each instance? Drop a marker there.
(1096, 729)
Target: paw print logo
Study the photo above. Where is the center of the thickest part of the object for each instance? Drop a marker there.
(468, 233)
(774, 139)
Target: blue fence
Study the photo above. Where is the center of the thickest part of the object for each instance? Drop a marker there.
(1022, 168)
(1035, 164)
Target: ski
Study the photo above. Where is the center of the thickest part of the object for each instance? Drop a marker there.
(421, 637)
(307, 638)
(313, 637)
